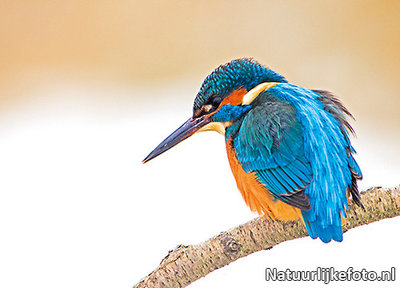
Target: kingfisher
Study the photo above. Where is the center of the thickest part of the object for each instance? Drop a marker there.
(288, 147)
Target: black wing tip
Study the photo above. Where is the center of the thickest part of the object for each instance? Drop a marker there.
(353, 189)
(330, 100)
(297, 200)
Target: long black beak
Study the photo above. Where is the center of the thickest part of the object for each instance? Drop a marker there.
(188, 128)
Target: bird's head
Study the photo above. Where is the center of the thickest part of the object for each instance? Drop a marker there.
(225, 96)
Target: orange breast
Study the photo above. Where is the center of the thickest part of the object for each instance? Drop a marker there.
(255, 194)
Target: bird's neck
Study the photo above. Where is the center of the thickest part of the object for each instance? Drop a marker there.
(232, 130)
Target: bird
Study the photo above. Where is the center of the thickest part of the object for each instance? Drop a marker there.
(288, 147)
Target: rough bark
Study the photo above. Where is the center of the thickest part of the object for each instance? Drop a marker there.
(186, 264)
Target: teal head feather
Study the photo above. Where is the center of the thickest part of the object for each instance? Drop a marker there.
(244, 72)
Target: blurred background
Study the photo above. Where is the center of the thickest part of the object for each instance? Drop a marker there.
(89, 88)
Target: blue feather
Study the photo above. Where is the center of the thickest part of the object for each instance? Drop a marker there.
(270, 142)
(293, 143)
(325, 148)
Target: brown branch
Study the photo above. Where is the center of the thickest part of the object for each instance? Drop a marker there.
(186, 264)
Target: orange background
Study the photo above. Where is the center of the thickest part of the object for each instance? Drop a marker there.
(350, 47)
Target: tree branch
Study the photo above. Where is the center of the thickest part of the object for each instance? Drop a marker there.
(186, 264)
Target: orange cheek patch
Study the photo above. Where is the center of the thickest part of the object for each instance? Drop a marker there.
(235, 98)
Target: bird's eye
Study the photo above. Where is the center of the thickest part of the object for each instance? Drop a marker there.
(216, 101)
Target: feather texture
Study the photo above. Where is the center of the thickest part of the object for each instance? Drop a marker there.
(298, 147)
(270, 143)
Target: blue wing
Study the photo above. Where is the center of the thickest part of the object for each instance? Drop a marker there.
(339, 112)
(270, 142)
(293, 139)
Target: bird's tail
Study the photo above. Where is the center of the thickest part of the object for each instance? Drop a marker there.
(326, 232)
(324, 221)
